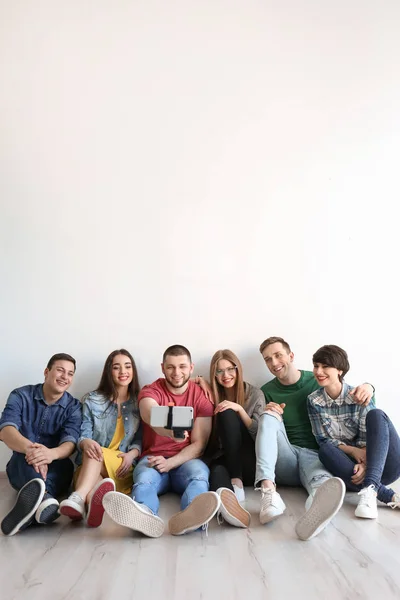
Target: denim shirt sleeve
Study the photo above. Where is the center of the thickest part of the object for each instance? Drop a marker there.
(136, 443)
(87, 423)
(72, 426)
(12, 413)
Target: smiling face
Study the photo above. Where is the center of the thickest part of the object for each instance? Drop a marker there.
(278, 360)
(326, 376)
(226, 373)
(177, 371)
(59, 377)
(121, 370)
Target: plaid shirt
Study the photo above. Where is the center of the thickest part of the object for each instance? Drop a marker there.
(339, 421)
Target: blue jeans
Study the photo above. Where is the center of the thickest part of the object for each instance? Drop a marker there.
(278, 460)
(383, 457)
(59, 475)
(189, 480)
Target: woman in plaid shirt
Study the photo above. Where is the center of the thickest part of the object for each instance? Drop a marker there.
(357, 443)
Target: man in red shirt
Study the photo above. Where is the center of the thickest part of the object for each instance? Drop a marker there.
(168, 463)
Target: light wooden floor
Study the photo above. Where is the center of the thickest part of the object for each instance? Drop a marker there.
(352, 558)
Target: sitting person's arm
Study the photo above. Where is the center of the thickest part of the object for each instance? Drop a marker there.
(363, 394)
(86, 443)
(199, 438)
(145, 406)
(134, 450)
(11, 423)
(14, 439)
(39, 454)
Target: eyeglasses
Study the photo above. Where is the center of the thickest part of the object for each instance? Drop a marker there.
(228, 371)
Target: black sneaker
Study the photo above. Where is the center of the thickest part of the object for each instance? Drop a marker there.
(47, 511)
(22, 514)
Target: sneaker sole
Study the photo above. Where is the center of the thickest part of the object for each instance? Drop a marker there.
(124, 511)
(28, 500)
(199, 512)
(231, 511)
(69, 511)
(327, 501)
(47, 512)
(96, 509)
(264, 519)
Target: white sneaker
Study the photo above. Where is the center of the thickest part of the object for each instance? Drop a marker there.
(396, 502)
(272, 505)
(230, 510)
(367, 507)
(327, 501)
(73, 507)
(198, 514)
(239, 493)
(128, 513)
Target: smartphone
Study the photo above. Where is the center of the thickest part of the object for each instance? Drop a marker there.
(172, 417)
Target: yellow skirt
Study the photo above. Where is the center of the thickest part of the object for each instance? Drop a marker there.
(112, 462)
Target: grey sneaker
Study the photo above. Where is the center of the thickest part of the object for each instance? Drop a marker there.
(326, 503)
(198, 514)
(47, 511)
(73, 507)
(22, 514)
(128, 513)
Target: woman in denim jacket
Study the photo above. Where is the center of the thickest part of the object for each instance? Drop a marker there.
(110, 439)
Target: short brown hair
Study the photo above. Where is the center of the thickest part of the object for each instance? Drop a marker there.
(333, 356)
(176, 350)
(61, 356)
(274, 340)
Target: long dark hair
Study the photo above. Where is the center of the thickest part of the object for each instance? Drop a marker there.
(107, 386)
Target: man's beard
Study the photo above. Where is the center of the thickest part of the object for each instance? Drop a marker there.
(177, 387)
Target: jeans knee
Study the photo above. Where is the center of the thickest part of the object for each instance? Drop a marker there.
(269, 421)
(197, 471)
(375, 415)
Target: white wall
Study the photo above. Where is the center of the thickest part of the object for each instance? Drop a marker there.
(208, 173)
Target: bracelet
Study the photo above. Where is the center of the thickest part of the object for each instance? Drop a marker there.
(368, 383)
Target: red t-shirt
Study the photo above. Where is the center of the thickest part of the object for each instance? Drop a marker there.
(159, 445)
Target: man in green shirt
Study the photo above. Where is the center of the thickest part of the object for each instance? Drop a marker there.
(286, 449)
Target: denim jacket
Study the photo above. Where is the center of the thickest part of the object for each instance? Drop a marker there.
(99, 420)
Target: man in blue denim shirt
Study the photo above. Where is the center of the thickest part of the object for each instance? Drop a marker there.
(41, 425)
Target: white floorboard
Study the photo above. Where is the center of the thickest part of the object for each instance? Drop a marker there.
(351, 559)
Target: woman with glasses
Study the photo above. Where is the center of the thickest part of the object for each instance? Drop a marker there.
(110, 441)
(239, 406)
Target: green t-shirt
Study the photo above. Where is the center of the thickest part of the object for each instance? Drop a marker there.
(295, 415)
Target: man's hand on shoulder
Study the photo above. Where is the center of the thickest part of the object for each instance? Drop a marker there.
(362, 394)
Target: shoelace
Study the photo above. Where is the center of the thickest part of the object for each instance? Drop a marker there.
(366, 495)
(205, 528)
(266, 498)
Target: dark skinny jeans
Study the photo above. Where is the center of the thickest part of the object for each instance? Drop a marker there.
(239, 458)
(383, 457)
